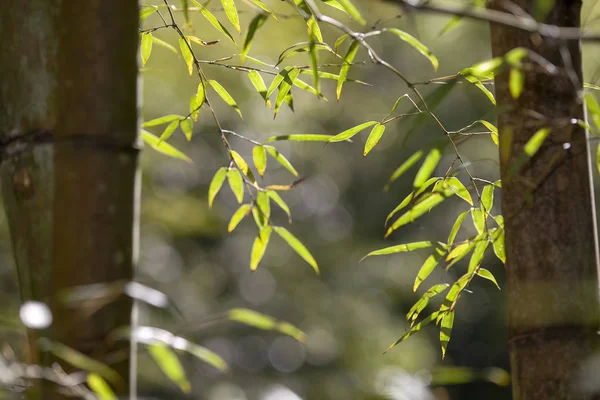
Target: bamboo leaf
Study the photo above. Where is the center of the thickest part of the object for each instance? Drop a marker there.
(406, 165)
(213, 20)
(484, 273)
(420, 305)
(412, 198)
(498, 244)
(281, 159)
(284, 88)
(259, 247)
(314, 59)
(335, 4)
(477, 256)
(261, 5)
(231, 12)
(446, 330)
(417, 45)
(278, 79)
(415, 329)
(238, 216)
(164, 44)
(236, 184)
(456, 227)
(516, 82)
(301, 138)
(593, 109)
(259, 155)
(298, 247)
(224, 94)
(478, 219)
(481, 87)
(187, 126)
(459, 189)
(215, 184)
(346, 66)
(487, 198)
(162, 120)
(347, 134)
(428, 167)
(100, 387)
(400, 248)
(428, 266)
(168, 131)
(163, 147)
(146, 47)
(147, 11)
(352, 11)
(535, 142)
(265, 322)
(168, 362)
(374, 137)
(255, 24)
(259, 85)
(188, 57)
(279, 201)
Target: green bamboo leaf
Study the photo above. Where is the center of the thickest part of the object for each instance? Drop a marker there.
(535, 142)
(273, 195)
(264, 206)
(184, 47)
(478, 254)
(411, 198)
(168, 362)
(420, 305)
(213, 20)
(215, 184)
(163, 147)
(516, 82)
(446, 330)
(481, 87)
(453, 293)
(100, 387)
(456, 227)
(259, 155)
(593, 109)
(478, 217)
(428, 266)
(281, 159)
(420, 47)
(164, 44)
(284, 88)
(374, 137)
(459, 189)
(428, 167)
(298, 247)
(236, 183)
(339, 41)
(259, 247)
(488, 125)
(484, 273)
(147, 11)
(303, 47)
(313, 26)
(231, 12)
(347, 134)
(406, 165)
(485, 69)
(314, 59)
(598, 158)
(289, 100)
(591, 86)
(259, 85)
(515, 56)
(498, 244)
(187, 126)
(238, 216)
(262, 6)
(255, 24)
(305, 86)
(195, 107)
(265, 322)
(415, 329)
(487, 198)
(224, 94)
(465, 249)
(279, 79)
(335, 4)
(301, 138)
(346, 66)
(162, 120)
(168, 131)
(352, 11)
(400, 248)
(454, 21)
(146, 47)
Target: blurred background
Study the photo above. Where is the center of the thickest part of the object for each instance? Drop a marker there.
(353, 311)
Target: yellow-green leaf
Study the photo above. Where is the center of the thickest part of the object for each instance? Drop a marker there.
(352, 11)
(224, 94)
(487, 198)
(456, 227)
(168, 362)
(478, 254)
(416, 309)
(240, 162)
(238, 216)
(184, 47)
(164, 44)
(187, 126)
(297, 246)
(215, 184)
(481, 87)
(273, 152)
(459, 189)
(162, 120)
(446, 330)
(273, 195)
(100, 387)
(261, 5)
(163, 147)
(428, 266)
(374, 137)
(213, 20)
(535, 142)
(259, 154)
(278, 79)
(259, 247)
(265, 322)
(484, 273)
(301, 138)
(415, 329)
(400, 248)
(478, 219)
(498, 244)
(236, 184)
(255, 24)
(593, 109)
(417, 45)
(313, 28)
(284, 88)
(231, 12)
(428, 167)
(259, 85)
(406, 165)
(346, 66)
(347, 134)
(412, 198)
(168, 131)
(516, 82)
(147, 11)
(146, 47)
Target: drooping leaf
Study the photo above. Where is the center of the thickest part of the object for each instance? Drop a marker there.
(238, 216)
(352, 11)
(255, 24)
(478, 254)
(348, 59)
(428, 266)
(298, 247)
(347, 134)
(516, 82)
(484, 273)
(339, 41)
(515, 56)
(147, 11)
(215, 184)
(146, 47)
(164, 44)
(305, 86)
(265, 322)
(535, 142)
(168, 131)
(259, 155)
(593, 109)
(236, 183)
(259, 247)
(273, 152)
(498, 244)
(420, 305)
(301, 138)
(240, 162)
(487, 198)
(261, 5)
(186, 12)
(163, 147)
(168, 362)
(415, 329)
(231, 12)
(459, 189)
(259, 85)
(428, 167)
(456, 227)
(314, 58)
(278, 79)
(273, 195)
(406, 165)
(446, 330)
(453, 293)
(475, 81)
(224, 94)
(374, 137)
(188, 57)
(213, 20)
(194, 107)
(162, 120)
(187, 126)
(478, 219)
(100, 387)
(400, 248)
(417, 45)
(284, 88)
(303, 47)
(335, 4)
(412, 197)
(485, 69)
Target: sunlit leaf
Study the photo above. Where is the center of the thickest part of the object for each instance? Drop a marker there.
(314, 59)
(259, 155)
(213, 20)
(305, 86)
(481, 87)
(406, 165)
(273, 152)
(400, 248)
(265, 322)
(591, 86)
(412, 197)
(374, 138)
(516, 82)
(478, 219)
(164, 44)
(215, 184)
(231, 12)
(304, 47)
(535, 142)
(485, 69)
(279, 201)
(420, 305)
(593, 109)
(339, 41)
(236, 184)
(168, 362)
(477, 255)
(459, 189)
(238, 216)
(187, 126)
(417, 45)
(147, 11)
(146, 47)
(515, 56)
(162, 120)
(168, 131)
(163, 147)
(286, 84)
(255, 24)
(335, 4)
(498, 244)
(428, 266)
(453, 293)
(347, 134)
(415, 329)
(100, 387)
(240, 162)
(484, 273)
(259, 85)
(261, 5)
(428, 167)
(225, 96)
(259, 247)
(301, 138)
(352, 11)
(184, 47)
(487, 198)
(297, 246)
(456, 227)
(446, 330)
(348, 58)
(195, 107)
